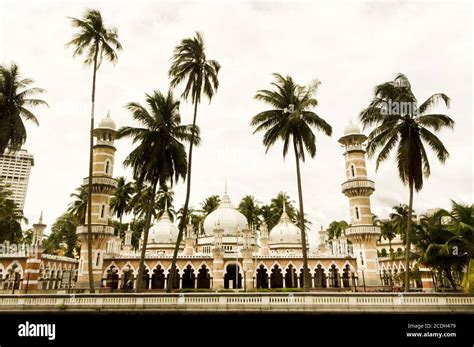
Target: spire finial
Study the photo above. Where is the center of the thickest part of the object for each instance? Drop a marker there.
(108, 113)
(41, 218)
(284, 206)
(225, 187)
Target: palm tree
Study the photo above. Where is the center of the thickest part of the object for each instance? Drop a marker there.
(462, 224)
(249, 207)
(121, 199)
(16, 97)
(388, 232)
(306, 222)
(336, 229)
(292, 121)
(95, 41)
(267, 216)
(78, 206)
(164, 201)
(432, 244)
(210, 204)
(10, 221)
(159, 157)
(277, 203)
(139, 200)
(400, 123)
(190, 63)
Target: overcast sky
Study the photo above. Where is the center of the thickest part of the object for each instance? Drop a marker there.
(349, 46)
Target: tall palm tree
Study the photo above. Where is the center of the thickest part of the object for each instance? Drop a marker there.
(190, 63)
(159, 157)
(95, 41)
(292, 121)
(121, 199)
(78, 206)
(139, 200)
(16, 97)
(400, 123)
(250, 208)
(306, 222)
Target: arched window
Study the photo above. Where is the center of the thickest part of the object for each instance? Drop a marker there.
(357, 213)
(107, 167)
(102, 211)
(353, 171)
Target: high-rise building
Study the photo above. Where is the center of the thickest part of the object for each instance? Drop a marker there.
(15, 170)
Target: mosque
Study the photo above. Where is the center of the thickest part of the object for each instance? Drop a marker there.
(228, 255)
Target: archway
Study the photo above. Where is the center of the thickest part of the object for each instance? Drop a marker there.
(276, 277)
(346, 275)
(291, 279)
(158, 278)
(127, 279)
(175, 285)
(319, 277)
(203, 278)
(334, 276)
(112, 279)
(188, 277)
(262, 277)
(145, 279)
(233, 278)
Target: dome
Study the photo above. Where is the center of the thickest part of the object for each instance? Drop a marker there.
(351, 129)
(225, 217)
(107, 123)
(164, 231)
(285, 231)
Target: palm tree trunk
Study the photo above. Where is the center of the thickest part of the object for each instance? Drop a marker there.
(182, 223)
(89, 183)
(149, 213)
(407, 245)
(306, 284)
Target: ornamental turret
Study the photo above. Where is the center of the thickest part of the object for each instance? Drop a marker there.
(103, 188)
(358, 188)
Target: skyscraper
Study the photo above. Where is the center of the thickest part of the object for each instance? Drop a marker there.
(15, 170)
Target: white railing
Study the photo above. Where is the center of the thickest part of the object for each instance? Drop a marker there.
(101, 180)
(354, 230)
(358, 184)
(312, 302)
(99, 229)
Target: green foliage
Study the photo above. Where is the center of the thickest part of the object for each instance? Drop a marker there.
(336, 229)
(78, 206)
(10, 218)
(63, 238)
(406, 130)
(250, 208)
(16, 99)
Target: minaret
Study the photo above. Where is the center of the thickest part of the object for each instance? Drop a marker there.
(103, 187)
(358, 188)
(33, 261)
(38, 231)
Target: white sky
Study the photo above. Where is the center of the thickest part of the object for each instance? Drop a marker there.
(349, 46)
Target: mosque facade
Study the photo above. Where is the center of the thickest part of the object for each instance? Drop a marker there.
(227, 254)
